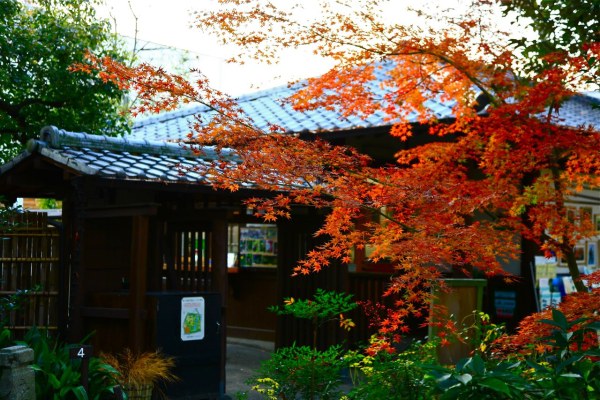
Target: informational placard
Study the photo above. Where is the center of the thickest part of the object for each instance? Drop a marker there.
(192, 318)
(505, 302)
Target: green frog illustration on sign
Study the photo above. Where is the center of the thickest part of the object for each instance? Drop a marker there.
(192, 318)
(192, 322)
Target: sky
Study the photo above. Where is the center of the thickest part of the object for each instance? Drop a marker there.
(168, 23)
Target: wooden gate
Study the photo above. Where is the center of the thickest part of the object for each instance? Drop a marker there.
(29, 260)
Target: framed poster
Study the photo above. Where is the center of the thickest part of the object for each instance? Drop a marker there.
(192, 318)
(258, 245)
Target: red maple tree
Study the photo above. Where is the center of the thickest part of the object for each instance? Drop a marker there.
(496, 176)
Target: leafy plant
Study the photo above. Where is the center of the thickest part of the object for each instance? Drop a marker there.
(301, 372)
(7, 214)
(397, 376)
(481, 333)
(473, 378)
(568, 370)
(8, 304)
(57, 376)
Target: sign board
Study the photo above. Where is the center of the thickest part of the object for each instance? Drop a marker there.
(192, 318)
(505, 302)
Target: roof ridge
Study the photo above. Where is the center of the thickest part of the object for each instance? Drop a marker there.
(170, 115)
(55, 138)
(592, 97)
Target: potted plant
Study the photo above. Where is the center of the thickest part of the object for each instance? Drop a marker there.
(139, 372)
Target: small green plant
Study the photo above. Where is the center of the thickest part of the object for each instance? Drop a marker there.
(480, 333)
(326, 306)
(8, 304)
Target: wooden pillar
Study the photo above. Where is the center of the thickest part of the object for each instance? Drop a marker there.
(137, 280)
(75, 234)
(220, 281)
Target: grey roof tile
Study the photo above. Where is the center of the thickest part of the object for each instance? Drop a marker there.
(265, 107)
(99, 163)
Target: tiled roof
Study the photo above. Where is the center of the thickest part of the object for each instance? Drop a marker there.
(123, 158)
(266, 107)
(150, 151)
(581, 110)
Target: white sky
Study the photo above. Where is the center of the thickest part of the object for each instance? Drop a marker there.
(168, 23)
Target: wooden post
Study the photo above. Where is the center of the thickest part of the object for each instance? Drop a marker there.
(220, 281)
(82, 352)
(137, 280)
(464, 298)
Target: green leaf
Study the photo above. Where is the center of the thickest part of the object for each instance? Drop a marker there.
(53, 381)
(496, 385)
(571, 375)
(80, 393)
(571, 360)
(464, 378)
(560, 319)
(478, 365)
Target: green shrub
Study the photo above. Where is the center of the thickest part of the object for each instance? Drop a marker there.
(301, 372)
(393, 376)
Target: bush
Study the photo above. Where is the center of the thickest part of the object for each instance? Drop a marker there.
(393, 376)
(301, 372)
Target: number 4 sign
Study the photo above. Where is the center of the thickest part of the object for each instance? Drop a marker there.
(80, 351)
(83, 353)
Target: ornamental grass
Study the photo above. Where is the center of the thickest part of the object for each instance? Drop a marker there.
(141, 369)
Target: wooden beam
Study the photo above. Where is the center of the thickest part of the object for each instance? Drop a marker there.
(121, 210)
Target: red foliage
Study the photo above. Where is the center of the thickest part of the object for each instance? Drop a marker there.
(574, 306)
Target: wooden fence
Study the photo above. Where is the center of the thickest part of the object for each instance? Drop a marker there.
(29, 260)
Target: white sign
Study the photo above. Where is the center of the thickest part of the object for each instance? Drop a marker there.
(192, 318)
